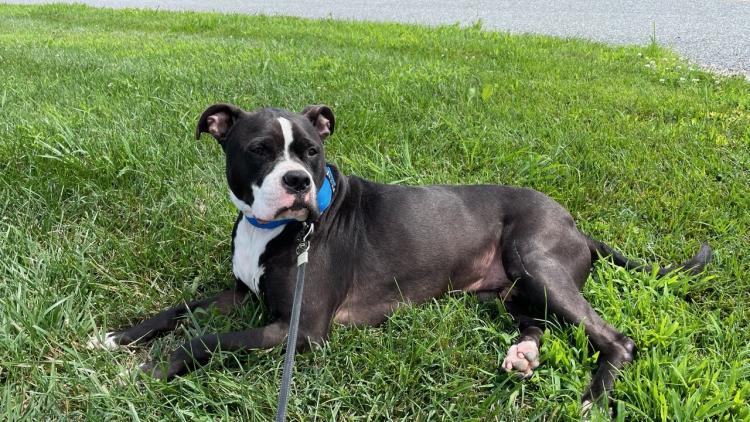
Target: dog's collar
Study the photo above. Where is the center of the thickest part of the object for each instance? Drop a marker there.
(324, 197)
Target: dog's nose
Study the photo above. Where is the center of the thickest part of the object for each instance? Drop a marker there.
(296, 181)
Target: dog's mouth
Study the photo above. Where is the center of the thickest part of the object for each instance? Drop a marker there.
(300, 210)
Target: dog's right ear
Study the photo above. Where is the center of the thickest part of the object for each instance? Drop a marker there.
(217, 120)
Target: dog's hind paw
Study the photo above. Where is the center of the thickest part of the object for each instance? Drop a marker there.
(108, 341)
(522, 358)
(587, 409)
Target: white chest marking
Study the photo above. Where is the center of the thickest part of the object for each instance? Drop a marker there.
(249, 244)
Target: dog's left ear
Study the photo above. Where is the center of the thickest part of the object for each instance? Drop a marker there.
(322, 118)
(217, 120)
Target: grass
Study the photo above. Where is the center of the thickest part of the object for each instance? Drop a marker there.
(110, 211)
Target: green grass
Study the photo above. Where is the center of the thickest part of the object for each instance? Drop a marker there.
(110, 211)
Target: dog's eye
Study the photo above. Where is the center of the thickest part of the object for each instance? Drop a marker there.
(312, 151)
(258, 149)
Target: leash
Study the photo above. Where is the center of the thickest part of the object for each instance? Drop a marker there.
(325, 198)
(291, 343)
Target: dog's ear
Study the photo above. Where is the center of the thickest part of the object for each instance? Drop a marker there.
(322, 118)
(217, 119)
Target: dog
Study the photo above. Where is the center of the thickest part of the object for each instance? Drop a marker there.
(376, 247)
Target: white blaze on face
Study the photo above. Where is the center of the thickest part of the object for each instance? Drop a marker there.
(271, 196)
(286, 130)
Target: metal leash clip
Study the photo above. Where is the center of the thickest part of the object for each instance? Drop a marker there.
(304, 243)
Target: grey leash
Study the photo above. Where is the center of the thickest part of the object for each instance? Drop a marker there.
(291, 343)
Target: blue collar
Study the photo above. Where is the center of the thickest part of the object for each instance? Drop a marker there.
(325, 196)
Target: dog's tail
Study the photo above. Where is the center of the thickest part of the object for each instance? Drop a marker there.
(694, 265)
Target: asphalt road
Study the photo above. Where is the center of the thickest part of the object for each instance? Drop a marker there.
(712, 33)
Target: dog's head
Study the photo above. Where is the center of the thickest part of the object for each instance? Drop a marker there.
(275, 161)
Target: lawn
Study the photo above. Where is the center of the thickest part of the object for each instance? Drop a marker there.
(111, 210)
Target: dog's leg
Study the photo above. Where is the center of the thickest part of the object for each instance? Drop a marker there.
(199, 350)
(168, 320)
(551, 283)
(615, 349)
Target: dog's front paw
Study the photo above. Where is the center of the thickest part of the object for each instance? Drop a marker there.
(108, 341)
(522, 358)
(153, 370)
